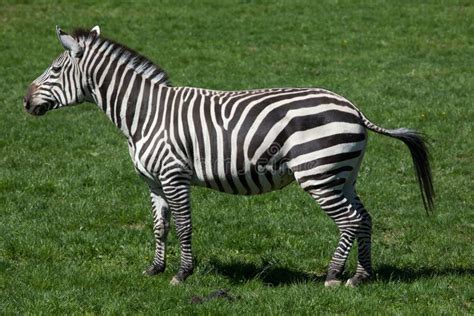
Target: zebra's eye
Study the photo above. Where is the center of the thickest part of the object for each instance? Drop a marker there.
(57, 65)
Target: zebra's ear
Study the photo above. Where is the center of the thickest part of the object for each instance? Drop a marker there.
(95, 31)
(69, 43)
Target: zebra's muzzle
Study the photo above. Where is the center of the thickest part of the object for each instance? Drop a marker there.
(36, 110)
(30, 107)
(40, 110)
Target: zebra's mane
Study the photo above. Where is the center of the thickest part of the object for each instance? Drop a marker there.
(140, 62)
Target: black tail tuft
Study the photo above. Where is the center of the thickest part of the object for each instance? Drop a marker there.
(419, 152)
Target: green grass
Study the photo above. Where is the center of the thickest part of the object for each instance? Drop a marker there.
(75, 222)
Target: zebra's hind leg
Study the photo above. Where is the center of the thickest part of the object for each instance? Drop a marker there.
(352, 221)
(161, 218)
(364, 241)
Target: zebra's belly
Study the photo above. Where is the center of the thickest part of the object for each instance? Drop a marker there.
(253, 180)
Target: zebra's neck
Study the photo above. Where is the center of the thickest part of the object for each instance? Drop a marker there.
(128, 99)
(120, 81)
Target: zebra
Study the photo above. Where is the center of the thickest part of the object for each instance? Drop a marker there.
(239, 142)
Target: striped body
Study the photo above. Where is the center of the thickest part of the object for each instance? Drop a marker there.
(245, 142)
(239, 142)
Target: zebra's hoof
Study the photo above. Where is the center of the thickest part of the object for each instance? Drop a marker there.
(357, 280)
(180, 277)
(154, 270)
(175, 281)
(351, 283)
(332, 283)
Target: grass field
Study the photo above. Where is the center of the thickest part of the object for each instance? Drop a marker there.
(75, 222)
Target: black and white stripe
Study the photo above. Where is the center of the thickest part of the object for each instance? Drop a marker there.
(239, 142)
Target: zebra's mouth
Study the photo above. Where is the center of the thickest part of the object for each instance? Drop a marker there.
(39, 109)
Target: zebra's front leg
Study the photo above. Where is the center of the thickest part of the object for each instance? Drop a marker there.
(178, 196)
(161, 218)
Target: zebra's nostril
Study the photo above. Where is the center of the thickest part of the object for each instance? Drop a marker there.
(26, 103)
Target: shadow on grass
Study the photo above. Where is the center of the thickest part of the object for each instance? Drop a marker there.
(268, 273)
(275, 275)
(388, 273)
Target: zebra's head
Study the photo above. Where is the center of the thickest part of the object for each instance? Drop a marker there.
(62, 83)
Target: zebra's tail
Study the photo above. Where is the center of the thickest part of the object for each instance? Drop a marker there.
(418, 146)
